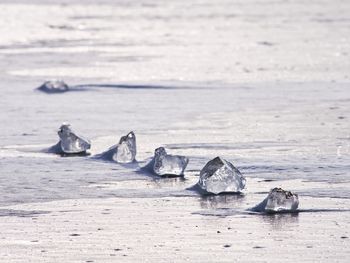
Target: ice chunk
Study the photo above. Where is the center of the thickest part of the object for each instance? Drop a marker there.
(219, 176)
(124, 151)
(278, 200)
(54, 86)
(165, 164)
(70, 142)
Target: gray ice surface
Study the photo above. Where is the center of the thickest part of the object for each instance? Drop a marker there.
(264, 83)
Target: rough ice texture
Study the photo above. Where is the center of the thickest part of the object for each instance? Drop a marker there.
(54, 86)
(219, 176)
(165, 164)
(124, 151)
(278, 200)
(70, 142)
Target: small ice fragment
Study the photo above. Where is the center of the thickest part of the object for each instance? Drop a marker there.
(125, 151)
(220, 176)
(278, 200)
(54, 86)
(70, 142)
(166, 164)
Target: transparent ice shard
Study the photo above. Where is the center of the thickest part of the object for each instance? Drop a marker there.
(123, 152)
(220, 176)
(165, 164)
(126, 149)
(54, 86)
(70, 142)
(278, 200)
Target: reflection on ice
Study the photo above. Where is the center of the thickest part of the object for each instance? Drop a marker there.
(220, 201)
(170, 182)
(279, 221)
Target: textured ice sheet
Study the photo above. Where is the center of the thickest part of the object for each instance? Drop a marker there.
(283, 114)
(264, 83)
(90, 41)
(123, 229)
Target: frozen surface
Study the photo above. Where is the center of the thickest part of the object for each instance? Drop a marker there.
(71, 143)
(283, 114)
(130, 229)
(219, 176)
(166, 164)
(262, 83)
(278, 200)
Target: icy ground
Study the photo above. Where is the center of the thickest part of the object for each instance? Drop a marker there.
(264, 84)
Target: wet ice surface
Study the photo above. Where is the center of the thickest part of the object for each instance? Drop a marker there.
(190, 86)
(21, 213)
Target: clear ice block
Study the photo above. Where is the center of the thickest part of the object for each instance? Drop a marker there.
(279, 200)
(220, 176)
(70, 142)
(165, 164)
(125, 151)
(54, 86)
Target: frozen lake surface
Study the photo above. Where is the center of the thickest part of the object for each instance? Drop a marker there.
(264, 84)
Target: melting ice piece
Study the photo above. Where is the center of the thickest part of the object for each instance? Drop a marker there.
(124, 151)
(219, 176)
(54, 86)
(70, 142)
(165, 164)
(278, 200)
